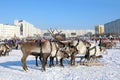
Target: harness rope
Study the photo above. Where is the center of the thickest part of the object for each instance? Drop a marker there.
(50, 46)
(41, 54)
(87, 55)
(77, 43)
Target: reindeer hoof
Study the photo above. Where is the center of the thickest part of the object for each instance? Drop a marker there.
(43, 70)
(62, 65)
(51, 65)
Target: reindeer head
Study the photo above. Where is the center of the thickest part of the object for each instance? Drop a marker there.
(61, 53)
(70, 49)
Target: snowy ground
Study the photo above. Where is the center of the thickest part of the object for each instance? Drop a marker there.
(10, 69)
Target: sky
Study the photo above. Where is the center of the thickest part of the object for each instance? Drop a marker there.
(60, 14)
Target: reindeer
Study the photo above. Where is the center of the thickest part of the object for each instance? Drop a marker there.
(4, 49)
(44, 49)
(80, 47)
(61, 53)
(87, 49)
(109, 45)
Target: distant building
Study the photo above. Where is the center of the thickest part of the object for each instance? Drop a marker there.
(99, 29)
(113, 27)
(75, 33)
(27, 29)
(8, 31)
(71, 33)
(22, 28)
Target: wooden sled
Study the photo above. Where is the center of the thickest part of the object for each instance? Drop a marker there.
(117, 47)
(91, 63)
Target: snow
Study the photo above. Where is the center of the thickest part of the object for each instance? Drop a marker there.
(11, 69)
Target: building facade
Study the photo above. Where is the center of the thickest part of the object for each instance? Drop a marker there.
(27, 29)
(8, 31)
(22, 28)
(75, 33)
(99, 29)
(112, 27)
(70, 33)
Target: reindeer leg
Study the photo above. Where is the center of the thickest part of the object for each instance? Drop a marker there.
(36, 60)
(80, 61)
(0, 54)
(41, 57)
(88, 63)
(44, 62)
(23, 60)
(51, 61)
(72, 59)
(85, 61)
(61, 62)
(81, 58)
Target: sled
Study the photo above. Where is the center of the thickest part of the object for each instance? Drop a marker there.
(116, 47)
(91, 63)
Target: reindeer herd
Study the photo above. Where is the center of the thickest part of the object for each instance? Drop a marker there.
(57, 48)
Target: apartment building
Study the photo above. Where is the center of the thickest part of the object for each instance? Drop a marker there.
(7, 31)
(99, 29)
(27, 29)
(112, 27)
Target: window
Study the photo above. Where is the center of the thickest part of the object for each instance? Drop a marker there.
(21, 29)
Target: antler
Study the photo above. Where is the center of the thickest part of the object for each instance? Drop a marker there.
(51, 31)
(58, 31)
(57, 37)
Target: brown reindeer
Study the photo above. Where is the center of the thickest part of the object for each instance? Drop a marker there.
(43, 49)
(73, 51)
(30, 47)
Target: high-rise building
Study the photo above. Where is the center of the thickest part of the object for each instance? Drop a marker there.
(113, 27)
(21, 28)
(99, 29)
(27, 29)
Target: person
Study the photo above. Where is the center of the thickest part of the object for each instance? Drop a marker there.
(100, 43)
